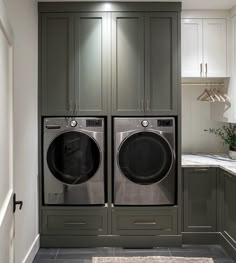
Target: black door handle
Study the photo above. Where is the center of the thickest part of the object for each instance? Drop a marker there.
(15, 203)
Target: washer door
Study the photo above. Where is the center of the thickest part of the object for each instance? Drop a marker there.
(145, 157)
(73, 157)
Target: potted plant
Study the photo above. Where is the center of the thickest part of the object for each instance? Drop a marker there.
(228, 134)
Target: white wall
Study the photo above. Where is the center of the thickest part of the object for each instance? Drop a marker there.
(23, 17)
(195, 119)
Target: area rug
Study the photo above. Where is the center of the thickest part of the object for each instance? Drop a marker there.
(155, 259)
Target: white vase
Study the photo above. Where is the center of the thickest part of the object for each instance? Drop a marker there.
(232, 154)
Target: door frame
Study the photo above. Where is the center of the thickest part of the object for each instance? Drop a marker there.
(6, 210)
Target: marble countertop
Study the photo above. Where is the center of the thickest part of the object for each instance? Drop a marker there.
(209, 160)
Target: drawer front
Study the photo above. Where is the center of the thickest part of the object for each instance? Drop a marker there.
(75, 223)
(148, 223)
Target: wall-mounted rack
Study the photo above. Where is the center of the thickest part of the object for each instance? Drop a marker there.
(206, 82)
(218, 84)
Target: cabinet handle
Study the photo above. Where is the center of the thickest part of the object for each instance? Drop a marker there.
(206, 69)
(201, 69)
(145, 223)
(200, 169)
(75, 223)
(147, 105)
(76, 107)
(142, 105)
(70, 107)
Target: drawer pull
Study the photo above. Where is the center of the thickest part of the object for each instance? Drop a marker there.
(201, 170)
(75, 223)
(145, 223)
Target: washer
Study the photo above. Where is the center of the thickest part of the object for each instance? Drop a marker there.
(73, 161)
(144, 161)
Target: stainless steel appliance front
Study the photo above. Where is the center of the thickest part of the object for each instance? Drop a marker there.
(73, 161)
(144, 161)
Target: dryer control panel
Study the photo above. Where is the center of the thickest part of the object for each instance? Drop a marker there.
(165, 123)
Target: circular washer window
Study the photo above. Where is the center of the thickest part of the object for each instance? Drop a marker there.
(145, 158)
(73, 157)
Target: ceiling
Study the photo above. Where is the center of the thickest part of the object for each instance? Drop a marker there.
(186, 4)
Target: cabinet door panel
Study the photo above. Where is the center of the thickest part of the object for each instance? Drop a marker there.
(161, 62)
(214, 46)
(57, 69)
(90, 63)
(191, 47)
(127, 63)
(200, 200)
(229, 212)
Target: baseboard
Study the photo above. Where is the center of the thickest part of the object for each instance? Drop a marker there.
(32, 251)
(228, 246)
(111, 241)
(200, 238)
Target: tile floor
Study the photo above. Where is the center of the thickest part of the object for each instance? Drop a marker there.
(84, 255)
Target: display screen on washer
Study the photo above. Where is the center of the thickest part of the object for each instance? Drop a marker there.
(145, 157)
(73, 157)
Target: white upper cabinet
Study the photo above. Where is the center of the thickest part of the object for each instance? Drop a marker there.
(214, 47)
(204, 47)
(191, 44)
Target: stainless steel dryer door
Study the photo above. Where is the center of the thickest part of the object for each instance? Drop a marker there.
(145, 157)
(73, 157)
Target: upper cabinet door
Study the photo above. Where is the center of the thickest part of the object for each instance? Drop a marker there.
(214, 46)
(161, 63)
(91, 63)
(128, 63)
(191, 47)
(57, 67)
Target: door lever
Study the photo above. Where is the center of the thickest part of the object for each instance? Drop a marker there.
(15, 203)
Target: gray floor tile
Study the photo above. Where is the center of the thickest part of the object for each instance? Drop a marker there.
(84, 255)
(47, 253)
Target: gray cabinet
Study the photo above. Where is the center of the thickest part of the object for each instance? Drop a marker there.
(161, 63)
(91, 63)
(144, 63)
(128, 63)
(199, 200)
(228, 209)
(144, 221)
(74, 64)
(57, 69)
(87, 221)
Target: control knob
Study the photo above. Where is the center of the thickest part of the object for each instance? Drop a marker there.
(73, 123)
(145, 123)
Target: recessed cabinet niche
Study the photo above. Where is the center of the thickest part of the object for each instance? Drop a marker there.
(204, 47)
(74, 64)
(144, 63)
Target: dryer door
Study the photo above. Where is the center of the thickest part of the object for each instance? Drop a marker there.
(73, 157)
(145, 157)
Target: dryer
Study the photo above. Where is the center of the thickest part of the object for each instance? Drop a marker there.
(144, 161)
(73, 161)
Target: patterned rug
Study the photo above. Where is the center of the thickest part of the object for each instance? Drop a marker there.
(155, 259)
